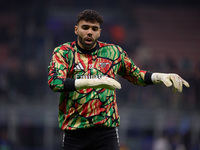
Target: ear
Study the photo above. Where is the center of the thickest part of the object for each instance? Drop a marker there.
(99, 32)
(76, 29)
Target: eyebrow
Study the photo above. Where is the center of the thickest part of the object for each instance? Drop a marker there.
(85, 25)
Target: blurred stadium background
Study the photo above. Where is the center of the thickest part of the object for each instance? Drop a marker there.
(161, 36)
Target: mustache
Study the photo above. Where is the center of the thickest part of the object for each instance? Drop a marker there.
(89, 38)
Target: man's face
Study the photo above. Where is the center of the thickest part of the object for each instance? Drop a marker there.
(88, 34)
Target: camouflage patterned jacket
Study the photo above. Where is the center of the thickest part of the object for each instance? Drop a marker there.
(89, 107)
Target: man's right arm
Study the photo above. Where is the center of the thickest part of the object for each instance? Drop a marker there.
(58, 81)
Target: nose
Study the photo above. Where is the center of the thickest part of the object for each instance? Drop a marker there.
(90, 31)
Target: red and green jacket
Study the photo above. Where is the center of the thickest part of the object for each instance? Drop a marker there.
(90, 107)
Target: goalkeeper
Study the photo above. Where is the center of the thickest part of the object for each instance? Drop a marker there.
(84, 72)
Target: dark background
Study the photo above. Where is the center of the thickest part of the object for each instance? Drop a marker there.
(160, 36)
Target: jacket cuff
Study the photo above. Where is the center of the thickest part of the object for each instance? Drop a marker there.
(69, 85)
(147, 77)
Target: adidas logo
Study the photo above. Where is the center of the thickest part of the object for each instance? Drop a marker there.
(79, 66)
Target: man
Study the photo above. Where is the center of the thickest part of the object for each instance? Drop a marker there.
(84, 73)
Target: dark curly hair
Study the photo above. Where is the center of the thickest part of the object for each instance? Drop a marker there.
(90, 16)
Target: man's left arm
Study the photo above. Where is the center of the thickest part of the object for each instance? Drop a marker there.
(132, 73)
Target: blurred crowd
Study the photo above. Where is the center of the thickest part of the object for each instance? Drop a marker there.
(28, 34)
(22, 64)
(24, 43)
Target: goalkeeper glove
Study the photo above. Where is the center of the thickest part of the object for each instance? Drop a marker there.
(169, 80)
(103, 82)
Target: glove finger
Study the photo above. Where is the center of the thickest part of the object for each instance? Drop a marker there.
(180, 86)
(186, 83)
(115, 83)
(110, 83)
(167, 82)
(177, 83)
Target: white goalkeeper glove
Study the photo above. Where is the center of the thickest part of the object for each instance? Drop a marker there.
(103, 82)
(170, 79)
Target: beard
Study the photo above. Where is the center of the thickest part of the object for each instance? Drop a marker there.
(86, 45)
